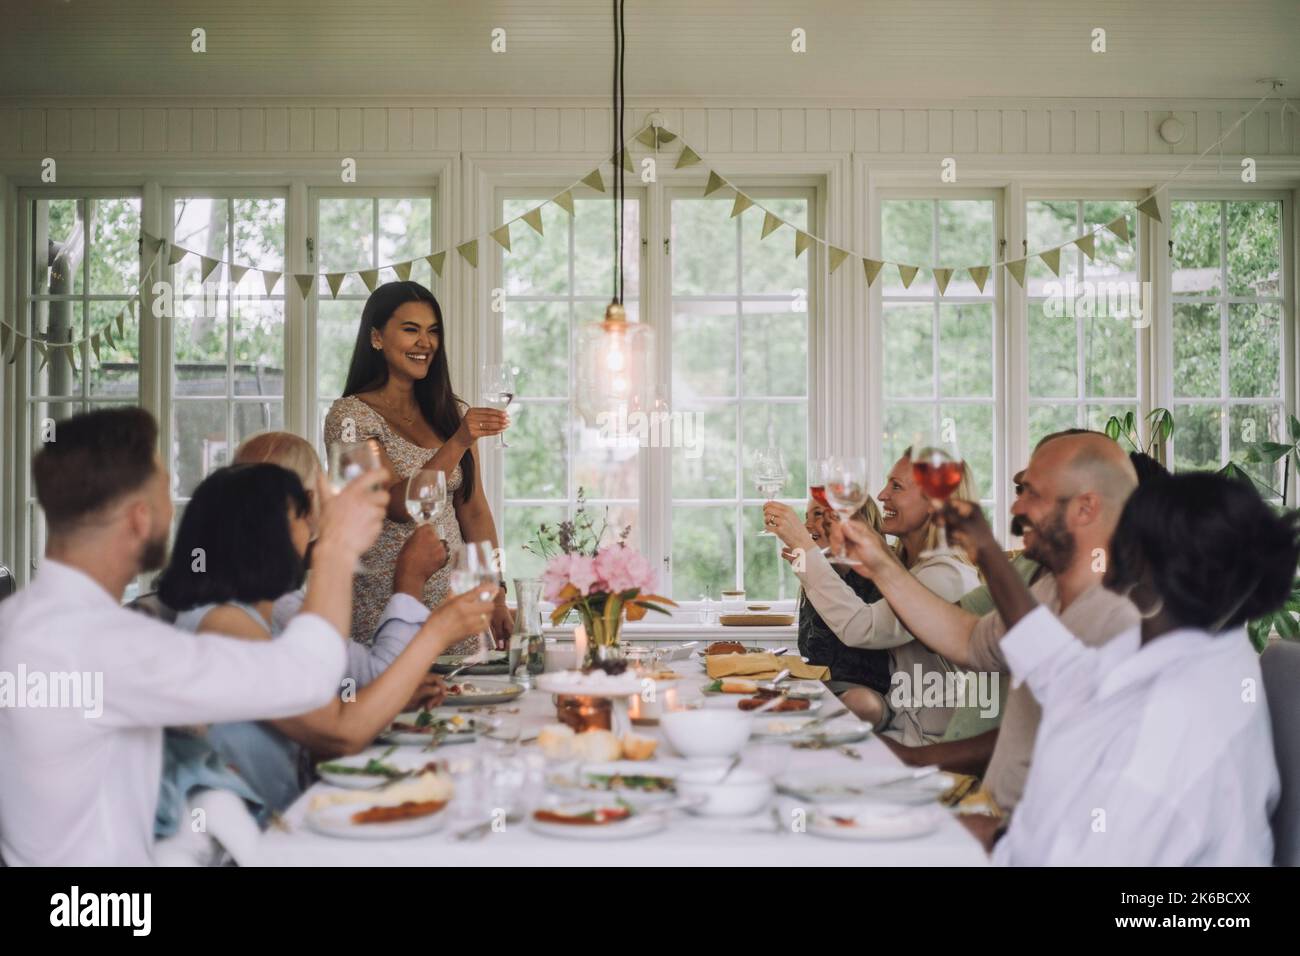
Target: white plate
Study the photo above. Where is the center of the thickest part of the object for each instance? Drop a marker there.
(878, 821)
(421, 738)
(494, 692)
(639, 825)
(862, 785)
(833, 733)
(336, 821)
(565, 781)
(364, 781)
(732, 702)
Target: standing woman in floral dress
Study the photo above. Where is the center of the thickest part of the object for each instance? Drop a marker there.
(398, 392)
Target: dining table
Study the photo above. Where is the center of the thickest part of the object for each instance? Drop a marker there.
(777, 836)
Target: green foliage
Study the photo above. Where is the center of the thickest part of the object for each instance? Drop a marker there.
(1160, 427)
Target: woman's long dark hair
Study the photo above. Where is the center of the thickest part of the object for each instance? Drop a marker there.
(238, 520)
(368, 370)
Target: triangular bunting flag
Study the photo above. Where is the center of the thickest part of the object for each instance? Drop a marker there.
(1119, 226)
(565, 201)
(469, 252)
(176, 255)
(907, 274)
(208, 265)
(941, 278)
(534, 218)
(872, 268)
(152, 246)
(121, 320)
(594, 180)
(1017, 269)
(837, 257)
(335, 281)
(45, 355)
(689, 157)
(236, 272)
(269, 279)
(4, 341)
(742, 203)
(1151, 208)
(1088, 244)
(647, 136)
(305, 283)
(627, 160)
(94, 345)
(979, 275)
(402, 270)
(108, 336)
(1052, 257)
(771, 223)
(67, 351)
(502, 235)
(715, 183)
(370, 277)
(665, 137)
(435, 262)
(801, 242)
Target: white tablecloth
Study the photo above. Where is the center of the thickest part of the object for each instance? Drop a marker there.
(687, 841)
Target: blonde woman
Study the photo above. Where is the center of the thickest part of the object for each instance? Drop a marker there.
(421, 557)
(906, 516)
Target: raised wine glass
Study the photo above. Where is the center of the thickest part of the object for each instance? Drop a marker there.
(473, 568)
(846, 492)
(937, 467)
(498, 391)
(818, 468)
(347, 460)
(426, 495)
(769, 477)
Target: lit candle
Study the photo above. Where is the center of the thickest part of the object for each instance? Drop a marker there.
(579, 646)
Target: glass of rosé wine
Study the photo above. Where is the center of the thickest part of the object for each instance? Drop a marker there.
(937, 467)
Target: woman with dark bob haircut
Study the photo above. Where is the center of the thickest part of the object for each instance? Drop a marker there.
(1155, 749)
(240, 546)
(398, 395)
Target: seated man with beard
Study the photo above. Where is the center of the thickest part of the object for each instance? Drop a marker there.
(1075, 488)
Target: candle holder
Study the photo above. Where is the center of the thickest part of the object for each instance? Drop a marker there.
(584, 712)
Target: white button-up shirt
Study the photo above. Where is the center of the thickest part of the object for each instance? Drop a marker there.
(79, 782)
(1155, 755)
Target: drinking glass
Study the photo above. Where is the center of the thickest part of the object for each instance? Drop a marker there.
(426, 495)
(818, 468)
(347, 460)
(473, 568)
(498, 391)
(846, 491)
(769, 477)
(937, 467)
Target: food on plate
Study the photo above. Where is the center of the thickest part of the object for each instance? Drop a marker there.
(731, 685)
(466, 689)
(556, 741)
(725, 647)
(640, 783)
(584, 814)
(429, 723)
(374, 768)
(597, 746)
(403, 811)
(638, 748)
(787, 705)
(426, 788)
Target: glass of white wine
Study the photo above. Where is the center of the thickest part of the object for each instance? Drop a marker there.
(769, 477)
(498, 391)
(473, 568)
(347, 460)
(426, 495)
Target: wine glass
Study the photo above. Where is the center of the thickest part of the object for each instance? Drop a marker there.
(426, 495)
(472, 568)
(498, 391)
(769, 477)
(846, 491)
(937, 467)
(347, 460)
(818, 468)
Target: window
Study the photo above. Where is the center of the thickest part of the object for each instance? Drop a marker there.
(940, 356)
(739, 356)
(1083, 324)
(553, 283)
(84, 268)
(227, 338)
(354, 232)
(1226, 258)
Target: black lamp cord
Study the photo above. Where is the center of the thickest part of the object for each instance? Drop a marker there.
(620, 44)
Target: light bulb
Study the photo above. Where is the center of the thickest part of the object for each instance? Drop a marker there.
(614, 359)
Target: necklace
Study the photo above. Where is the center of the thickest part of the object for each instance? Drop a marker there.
(406, 419)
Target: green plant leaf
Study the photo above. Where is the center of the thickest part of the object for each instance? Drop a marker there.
(1112, 428)
(1287, 626)
(1272, 451)
(1130, 422)
(1294, 424)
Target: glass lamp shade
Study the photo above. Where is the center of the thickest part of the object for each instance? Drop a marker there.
(615, 366)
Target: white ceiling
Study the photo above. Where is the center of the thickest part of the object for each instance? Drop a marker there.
(858, 50)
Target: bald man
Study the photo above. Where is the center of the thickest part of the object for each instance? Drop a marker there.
(1074, 490)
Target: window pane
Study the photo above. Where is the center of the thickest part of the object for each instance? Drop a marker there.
(1113, 256)
(974, 428)
(766, 572)
(1195, 261)
(258, 240)
(1254, 350)
(1254, 248)
(58, 246)
(199, 443)
(704, 245)
(116, 373)
(1248, 425)
(1196, 437)
(1096, 416)
(768, 265)
(593, 231)
(1111, 357)
(907, 231)
(199, 349)
(965, 230)
(604, 465)
(254, 417)
(909, 355)
(704, 551)
(58, 321)
(1051, 222)
(537, 265)
(1045, 420)
(406, 233)
(520, 525)
(783, 425)
(905, 426)
(114, 246)
(536, 466)
(336, 334)
(259, 348)
(774, 350)
(535, 337)
(966, 331)
(345, 239)
(704, 348)
(1196, 350)
(709, 469)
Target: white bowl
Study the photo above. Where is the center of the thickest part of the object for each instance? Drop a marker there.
(744, 792)
(706, 733)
